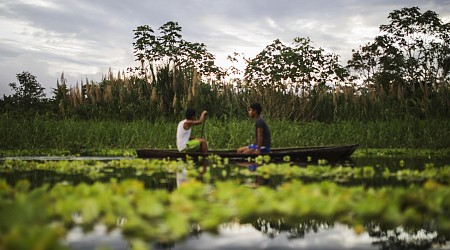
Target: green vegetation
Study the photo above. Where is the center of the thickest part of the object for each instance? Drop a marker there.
(146, 201)
(42, 136)
(27, 215)
(164, 171)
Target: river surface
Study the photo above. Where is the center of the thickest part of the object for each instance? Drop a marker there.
(312, 235)
(232, 236)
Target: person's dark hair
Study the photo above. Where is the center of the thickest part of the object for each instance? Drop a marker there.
(257, 107)
(190, 113)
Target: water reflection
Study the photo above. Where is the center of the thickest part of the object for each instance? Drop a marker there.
(38, 178)
(264, 235)
(181, 177)
(244, 172)
(396, 162)
(401, 238)
(99, 237)
(236, 236)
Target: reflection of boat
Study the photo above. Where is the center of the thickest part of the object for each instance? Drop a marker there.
(330, 153)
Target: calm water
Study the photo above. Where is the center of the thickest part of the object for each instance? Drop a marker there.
(39, 177)
(247, 237)
(258, 235)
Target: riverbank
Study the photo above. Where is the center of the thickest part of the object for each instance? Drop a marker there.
(43, 136)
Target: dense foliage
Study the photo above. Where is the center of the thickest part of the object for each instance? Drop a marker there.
(37, 135)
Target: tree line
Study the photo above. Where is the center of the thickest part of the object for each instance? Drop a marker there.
(404, 72)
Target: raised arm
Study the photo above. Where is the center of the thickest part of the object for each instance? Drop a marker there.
(190, 123)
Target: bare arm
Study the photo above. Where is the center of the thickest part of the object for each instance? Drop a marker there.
(190, 123)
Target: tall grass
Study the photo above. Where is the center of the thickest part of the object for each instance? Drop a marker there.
(167, 94)
(79, 136)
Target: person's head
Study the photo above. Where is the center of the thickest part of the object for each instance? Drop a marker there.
(190, 114)
(256, 107)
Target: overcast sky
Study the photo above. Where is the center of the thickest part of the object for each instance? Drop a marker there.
(84, 38)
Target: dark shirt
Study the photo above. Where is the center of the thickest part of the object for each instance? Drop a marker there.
(267, 140)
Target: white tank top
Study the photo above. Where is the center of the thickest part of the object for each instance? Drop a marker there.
(182, 135)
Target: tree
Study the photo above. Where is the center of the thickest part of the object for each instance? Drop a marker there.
(61, 96)
(296, 69)
(172, 64)
(170, 48)
(28, 92)
(412, 53)
(300, 76)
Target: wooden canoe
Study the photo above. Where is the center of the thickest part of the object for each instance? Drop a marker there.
(330, 153)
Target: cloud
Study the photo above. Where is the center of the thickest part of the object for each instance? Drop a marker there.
(17, 65)
(85, 38)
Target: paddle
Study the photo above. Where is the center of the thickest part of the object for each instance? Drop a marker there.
(203, 126)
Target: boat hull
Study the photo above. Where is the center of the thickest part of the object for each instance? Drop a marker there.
(330, 153)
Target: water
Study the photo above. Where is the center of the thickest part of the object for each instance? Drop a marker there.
(401, 162)
(64, 158)
(247, 237)
(259, 234)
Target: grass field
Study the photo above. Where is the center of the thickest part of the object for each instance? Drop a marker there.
(78, 137)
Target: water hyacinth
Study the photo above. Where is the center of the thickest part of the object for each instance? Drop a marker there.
(163, 200)
(163, 216)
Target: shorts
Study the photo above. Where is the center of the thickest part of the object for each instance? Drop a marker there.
(264, 149)
(192, 145)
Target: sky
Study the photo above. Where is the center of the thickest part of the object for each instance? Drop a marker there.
(85, 38)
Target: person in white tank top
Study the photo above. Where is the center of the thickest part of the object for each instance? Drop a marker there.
(184, 140)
